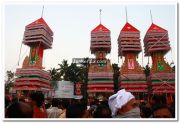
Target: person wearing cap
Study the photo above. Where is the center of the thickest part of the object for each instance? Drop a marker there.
(123, 105)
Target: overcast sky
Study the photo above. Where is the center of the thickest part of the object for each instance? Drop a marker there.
(72, 24)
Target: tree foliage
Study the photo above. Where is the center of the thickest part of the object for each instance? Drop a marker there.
(72, 72)
(116, 76)
(9, 80)
(55, 76)
(147, 70)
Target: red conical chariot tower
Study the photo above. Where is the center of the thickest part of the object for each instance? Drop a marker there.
(31, 77)
(132, 76)
(100, 75)
(157, 44)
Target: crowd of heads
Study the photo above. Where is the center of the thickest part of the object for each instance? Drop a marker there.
(120, 105)
(19, 110)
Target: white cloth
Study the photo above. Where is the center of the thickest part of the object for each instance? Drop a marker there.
(53, 112)
(121, 98)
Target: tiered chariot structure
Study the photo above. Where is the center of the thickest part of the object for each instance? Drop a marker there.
(132, 77)
(156, 45)
(100, 75)
(32, 76)
(39, 37)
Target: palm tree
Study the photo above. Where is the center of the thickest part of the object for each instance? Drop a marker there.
(73, 73)
(85, 70)
(147, 70)
(63, 69)
(147, 73)
(55, 76)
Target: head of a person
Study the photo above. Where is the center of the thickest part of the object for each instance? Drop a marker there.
(64, 104)
(102, 111)
(55, 102)
(162, 111)
(19, 110)
(104, 102)
(90, 100)
(146, 112)
(14, 99)
(131, 104)
(37, 98)
(77, 111)
(47, 105)
(22, 98)
(124, 104)
(83, 101)
(157, 99)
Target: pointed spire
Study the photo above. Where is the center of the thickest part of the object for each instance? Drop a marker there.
(155, 27)
(129, 28)
(42, 11)
(100, 27)
(126, 14)
(40, 21)
(100, 15)
(151, 16)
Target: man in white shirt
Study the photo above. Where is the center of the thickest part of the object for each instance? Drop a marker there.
(54, 111)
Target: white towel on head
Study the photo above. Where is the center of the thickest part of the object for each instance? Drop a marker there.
(118, 100)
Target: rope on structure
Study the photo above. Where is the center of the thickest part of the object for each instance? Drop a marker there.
(24, 53)
(122, 60)
(154, 38)
(109, 53)
(142, 60)
(164, 83)
(19, 60)
(20, 53)
(38, 48)
(158, 41)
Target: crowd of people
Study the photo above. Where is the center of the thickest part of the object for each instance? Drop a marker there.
(120, 105)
